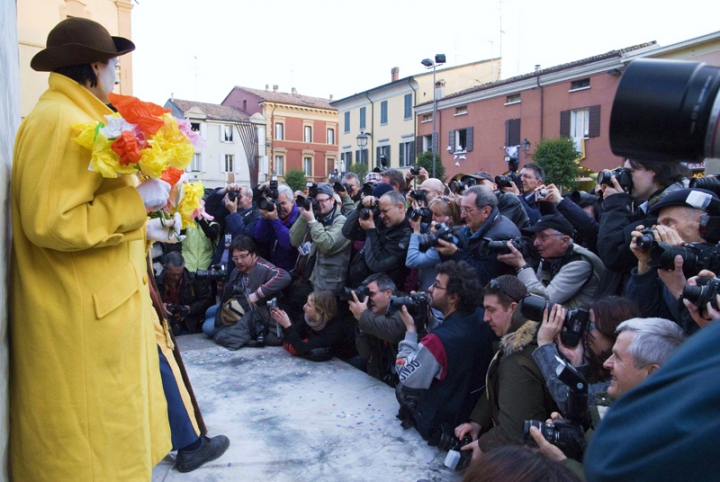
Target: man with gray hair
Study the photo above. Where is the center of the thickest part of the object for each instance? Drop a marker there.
(351, 193)
(482, 221)
(273, 230)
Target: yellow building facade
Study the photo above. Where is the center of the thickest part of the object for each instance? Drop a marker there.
(387, 113)
(35, 19)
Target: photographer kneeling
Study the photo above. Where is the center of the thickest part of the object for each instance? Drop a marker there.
(243, 317)
(441, 376)
(321, 334)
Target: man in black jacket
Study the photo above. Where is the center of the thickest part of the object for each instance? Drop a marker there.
(624, 211)
(232, 207)
(185, 297)
(509, 205)
(386, 242)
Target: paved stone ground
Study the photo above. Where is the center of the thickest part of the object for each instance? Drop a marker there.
(289, 419)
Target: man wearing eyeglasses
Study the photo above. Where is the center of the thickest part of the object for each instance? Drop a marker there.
(252, 285)
(442, 375)
(482, 221)
(568, 274)
(321, 239)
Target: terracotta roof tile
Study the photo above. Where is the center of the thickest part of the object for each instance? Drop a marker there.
(292, 99)
(213, 111)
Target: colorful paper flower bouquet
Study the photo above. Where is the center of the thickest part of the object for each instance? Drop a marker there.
(145, 139)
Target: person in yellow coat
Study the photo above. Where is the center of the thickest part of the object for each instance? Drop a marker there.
(86, 397)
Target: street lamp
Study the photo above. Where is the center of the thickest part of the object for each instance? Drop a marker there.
(362, 140)
(439, 59)
(525, 146)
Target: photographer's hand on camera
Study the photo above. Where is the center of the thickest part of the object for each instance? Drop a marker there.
(269, 215)
(549, 332)
(514, 258)
(416, 224)
(472, 428)
(446, 248)
(512, 189)
(553, 195)
(230, 205)
(608, 190)
(546, 448)
(674, 279)
(281, 317)
(357, 307)
(307, 214)
(707, 314)
(368, 223)
(408, 320)
(642, 255)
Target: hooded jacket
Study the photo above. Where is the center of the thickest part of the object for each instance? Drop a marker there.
(515, 390)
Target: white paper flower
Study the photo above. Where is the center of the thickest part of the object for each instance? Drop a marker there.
(114, 126)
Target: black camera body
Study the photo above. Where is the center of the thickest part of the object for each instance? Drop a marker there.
(367, 188)
(415, 171)
(420, 195)
(312, 188)
(416, 303)
(522, 244)
(307, 203)
(646, 240)
(622, 175)
(234, 196)
(503, 181)
(361, 292)
(216, 272)
(703, 293)
(448, 441)
(268, 199)
(178, 311)
(696, 257)
(575, 324)
(365, 212)
(442, 232)
(567, 434)
(340, 187)
(423, 213)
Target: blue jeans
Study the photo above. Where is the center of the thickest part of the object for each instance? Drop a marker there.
(209, 324)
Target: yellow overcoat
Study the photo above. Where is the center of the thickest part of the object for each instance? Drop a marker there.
(86, 399)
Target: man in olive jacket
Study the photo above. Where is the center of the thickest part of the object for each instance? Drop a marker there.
(515, 387)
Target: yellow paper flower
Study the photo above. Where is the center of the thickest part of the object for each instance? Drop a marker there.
(85, 134)
(105, 161)
(154, 159)
(180, 150)
(190, 203)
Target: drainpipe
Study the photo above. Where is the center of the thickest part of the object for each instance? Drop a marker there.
(542, 105)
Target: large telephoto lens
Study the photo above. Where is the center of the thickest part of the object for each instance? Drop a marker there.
(666, 110)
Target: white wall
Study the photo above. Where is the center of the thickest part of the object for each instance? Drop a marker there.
(9, 121)
(213, 156)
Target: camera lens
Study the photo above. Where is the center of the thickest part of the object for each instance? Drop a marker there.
(663, 111)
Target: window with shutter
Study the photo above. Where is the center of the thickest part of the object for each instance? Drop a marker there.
(420, 141)
(512, 132)
(565, 123)
(401, 158)
(469, 139)
(594, 121)
(383, 112)
(410, 157)
(347, 122)
(362, 118)
(348, 159)
(408, 106)
(579, 123)
(451, 141)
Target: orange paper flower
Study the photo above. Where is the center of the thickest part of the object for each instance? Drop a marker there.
(126, 148)
(171, 175)
(146, 114)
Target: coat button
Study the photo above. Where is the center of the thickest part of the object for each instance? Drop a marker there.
(145, 280)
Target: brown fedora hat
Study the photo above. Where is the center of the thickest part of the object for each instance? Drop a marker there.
(77, 41)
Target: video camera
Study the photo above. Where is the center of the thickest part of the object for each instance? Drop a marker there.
(623, 176)
(268, 199)
(666, 110)
(696, 257)
(567, 434)
(575, 324)
(703, 293)
(442, 232)
(216, 272)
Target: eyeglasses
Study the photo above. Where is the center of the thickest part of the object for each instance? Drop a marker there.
(242, 257)
(467, 209)
(494, 285)
(325, 200)
(436, 286)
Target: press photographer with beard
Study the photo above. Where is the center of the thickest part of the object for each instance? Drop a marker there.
(590, 354)
(444, 372)
(273, 230)
(350, 195)
(622, 212)
(378, 333)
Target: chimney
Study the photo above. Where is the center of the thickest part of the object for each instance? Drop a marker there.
(293, 90)
(330, 96)
(275, 88)
(537, 67)
(267, 87)
(394, 74)
(172, 96)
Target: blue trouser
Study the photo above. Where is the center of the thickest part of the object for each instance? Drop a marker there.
(209, 327)
(181, 427)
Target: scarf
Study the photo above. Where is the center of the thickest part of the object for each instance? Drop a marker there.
(315, 325)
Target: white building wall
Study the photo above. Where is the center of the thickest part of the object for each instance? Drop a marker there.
(213, 155)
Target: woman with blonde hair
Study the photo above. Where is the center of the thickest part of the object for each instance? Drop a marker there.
(322, 334)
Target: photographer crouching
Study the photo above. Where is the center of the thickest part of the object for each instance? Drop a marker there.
(441, 377)
(321, 333)
(242, 317)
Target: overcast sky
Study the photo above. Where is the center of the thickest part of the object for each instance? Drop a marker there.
(200, 50)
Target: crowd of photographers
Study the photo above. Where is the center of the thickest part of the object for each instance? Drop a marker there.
(502, 310)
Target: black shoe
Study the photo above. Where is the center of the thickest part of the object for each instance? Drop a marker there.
(210, 449)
